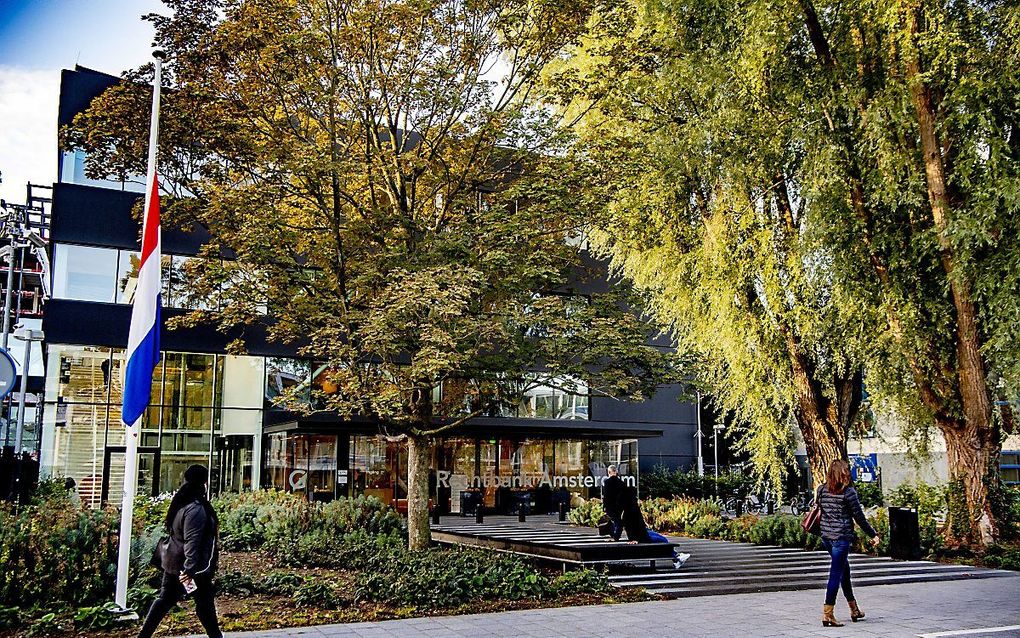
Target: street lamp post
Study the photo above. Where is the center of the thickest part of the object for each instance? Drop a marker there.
(700, 436)
(28, 336)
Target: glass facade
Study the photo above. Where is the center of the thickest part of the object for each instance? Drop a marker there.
(88, 273)
(188, 416)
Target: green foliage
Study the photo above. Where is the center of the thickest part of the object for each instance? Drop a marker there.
(580, 581)
(1003, 557)
(98, 617)
(298, 532)
(707, 526)
(140, 597)
(46, 625)
(236, 582)
(870, 494)
(151, 511)
(56, 555)
(143, 544)
(664, 482)
(677, 515)
(50, 489)
(316, 593)
(280, 583)
(588, 513)
(931, 502)
(443, 578)
(10, 618)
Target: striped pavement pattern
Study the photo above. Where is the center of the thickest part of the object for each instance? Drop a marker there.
(722, 567)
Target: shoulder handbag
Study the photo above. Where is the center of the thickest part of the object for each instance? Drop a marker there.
(812, 522)
(166, 548)
(605, 525)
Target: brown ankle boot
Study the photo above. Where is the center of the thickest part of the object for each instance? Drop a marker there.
(855, 611)
(828, 619)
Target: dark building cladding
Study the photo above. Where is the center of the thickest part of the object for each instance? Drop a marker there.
(215, 408)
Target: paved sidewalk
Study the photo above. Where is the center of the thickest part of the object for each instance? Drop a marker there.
(932, 610)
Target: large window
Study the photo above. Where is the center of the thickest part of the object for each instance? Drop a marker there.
(84, 390)
(562, 398)
(88, 273)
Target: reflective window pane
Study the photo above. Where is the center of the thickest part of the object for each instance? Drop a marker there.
(286, 374)
(78, 374)
(84, 273)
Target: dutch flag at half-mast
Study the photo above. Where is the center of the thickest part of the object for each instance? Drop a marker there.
(143, 339)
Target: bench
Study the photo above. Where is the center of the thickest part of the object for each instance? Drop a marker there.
(569, 549)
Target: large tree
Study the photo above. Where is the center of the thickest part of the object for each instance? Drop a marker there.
(894, 128)
(388, 200)
(702, 178)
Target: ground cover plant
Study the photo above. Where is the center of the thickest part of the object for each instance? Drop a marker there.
(287, 563)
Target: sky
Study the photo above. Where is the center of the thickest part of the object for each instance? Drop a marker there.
(38, 38)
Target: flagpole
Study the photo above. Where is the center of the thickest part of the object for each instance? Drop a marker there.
(131, 435)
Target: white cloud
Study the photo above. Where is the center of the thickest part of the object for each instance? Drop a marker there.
(28, 129)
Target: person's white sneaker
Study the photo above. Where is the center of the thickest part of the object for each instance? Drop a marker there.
(680, 559)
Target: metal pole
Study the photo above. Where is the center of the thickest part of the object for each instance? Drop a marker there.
(8, 292)
(701, 457)
(131, 436)
(26, 361)
(715, 445)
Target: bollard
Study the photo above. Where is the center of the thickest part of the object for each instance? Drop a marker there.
(479, 518)
(563, 512)
(435, 516)
(740, 507)
(522, 514)
(770, 507)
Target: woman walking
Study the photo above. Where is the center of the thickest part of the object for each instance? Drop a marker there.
(840, 507)
(189, 557)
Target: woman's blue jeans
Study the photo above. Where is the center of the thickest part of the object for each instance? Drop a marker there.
(839, 570)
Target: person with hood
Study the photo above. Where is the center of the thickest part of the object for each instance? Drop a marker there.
(189, 555)
(637, 530)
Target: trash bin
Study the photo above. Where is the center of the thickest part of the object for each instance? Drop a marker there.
(904, 534)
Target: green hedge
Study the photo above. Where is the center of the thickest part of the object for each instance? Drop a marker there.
(55, 553)
(664, 482)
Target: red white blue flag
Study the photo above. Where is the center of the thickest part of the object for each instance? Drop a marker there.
(143, 339)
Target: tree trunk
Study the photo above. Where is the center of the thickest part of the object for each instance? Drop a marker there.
(971, 444)
(419, 461)
(972, 455)
(824, 422)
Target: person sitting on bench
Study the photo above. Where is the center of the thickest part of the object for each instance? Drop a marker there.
(637, 530)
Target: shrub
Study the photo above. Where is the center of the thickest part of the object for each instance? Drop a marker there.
(235, 582)
(931, 502)
(580, 581)
(277, 520)
(280, 584)
(663, 482)
(708, 526)
(143, 544)
(441, 578)
(46, 625)
(150, 511)
(98, 617)
(316, 593)
(677, 515)
(10, 618)
(140, 597)
(1001, 557)
(55, 555)
(587, 514)
(870, 494)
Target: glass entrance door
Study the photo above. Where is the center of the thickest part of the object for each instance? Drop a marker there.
(113, 472)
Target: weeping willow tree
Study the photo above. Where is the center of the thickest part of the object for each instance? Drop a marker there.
(807, 187)
(704, 214)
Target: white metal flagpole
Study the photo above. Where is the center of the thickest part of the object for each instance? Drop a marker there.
(131, 436)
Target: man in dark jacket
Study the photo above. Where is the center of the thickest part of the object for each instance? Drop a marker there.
(189, 555)
(612, 500)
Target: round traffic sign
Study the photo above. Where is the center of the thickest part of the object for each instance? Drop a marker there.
(8, 373)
